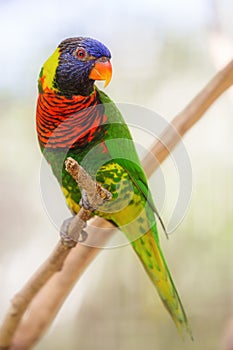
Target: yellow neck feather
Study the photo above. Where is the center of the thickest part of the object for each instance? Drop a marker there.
(48, 71)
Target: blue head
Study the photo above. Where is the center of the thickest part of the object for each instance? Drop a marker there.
(81, 61)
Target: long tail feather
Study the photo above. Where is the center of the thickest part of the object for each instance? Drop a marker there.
(154, 263)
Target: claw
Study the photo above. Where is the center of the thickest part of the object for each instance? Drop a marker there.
(84, 202)
(64, 233)
(65, 227)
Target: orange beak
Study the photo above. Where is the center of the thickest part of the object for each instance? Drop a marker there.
(102, 70)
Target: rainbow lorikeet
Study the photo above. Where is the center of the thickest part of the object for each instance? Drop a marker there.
(75, 119)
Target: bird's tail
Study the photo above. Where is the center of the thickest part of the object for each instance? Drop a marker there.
(150, 254)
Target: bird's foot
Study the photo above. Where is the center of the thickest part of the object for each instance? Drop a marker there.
(85, 203)
(65, 227)
(64, 233)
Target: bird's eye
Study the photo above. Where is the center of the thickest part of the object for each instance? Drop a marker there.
(81, 54)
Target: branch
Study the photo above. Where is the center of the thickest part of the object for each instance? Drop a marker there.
(185, 120)
(94, 192)
(96, 195)
(43, 309)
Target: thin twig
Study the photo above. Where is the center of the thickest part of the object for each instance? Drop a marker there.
(55, 261)
(96, 195)
(39, 318)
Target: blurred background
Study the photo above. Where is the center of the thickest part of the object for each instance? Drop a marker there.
(163, 52)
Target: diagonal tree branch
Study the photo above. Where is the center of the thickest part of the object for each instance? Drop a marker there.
(189, 116)
(43, 309)
(96, 195)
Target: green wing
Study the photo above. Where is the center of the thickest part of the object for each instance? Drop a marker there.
(124, 151)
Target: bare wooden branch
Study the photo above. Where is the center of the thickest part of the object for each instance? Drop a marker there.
(39, 318)
(190, 115)
(55, 261)
(42, 310)
(24, 296)
(95, 193)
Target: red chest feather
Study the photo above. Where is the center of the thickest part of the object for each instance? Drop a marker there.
(66, 123)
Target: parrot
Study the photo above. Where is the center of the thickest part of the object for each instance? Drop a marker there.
(74, 118)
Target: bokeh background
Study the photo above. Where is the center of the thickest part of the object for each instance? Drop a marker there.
(163, 52)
